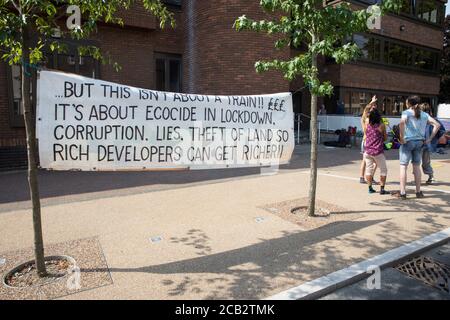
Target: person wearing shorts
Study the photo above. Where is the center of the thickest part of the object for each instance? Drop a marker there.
(413, 126)
(374, 150)
(371, 106)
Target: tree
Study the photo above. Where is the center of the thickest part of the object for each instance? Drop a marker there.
(445, 64)
(26, 28)
(326, 31)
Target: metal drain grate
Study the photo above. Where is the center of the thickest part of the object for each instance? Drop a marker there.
(427, 270)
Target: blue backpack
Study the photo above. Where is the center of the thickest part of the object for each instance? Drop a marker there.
(441, 131)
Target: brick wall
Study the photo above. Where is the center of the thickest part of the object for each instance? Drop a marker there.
(414, 31)
(359, 76)
(133, 49)
(138, 17)
(218, 59)
(8, 136)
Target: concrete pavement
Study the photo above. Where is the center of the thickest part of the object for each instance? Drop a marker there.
(211, 245)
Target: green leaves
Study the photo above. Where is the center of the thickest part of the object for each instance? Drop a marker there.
(324, 31)
(43, 16)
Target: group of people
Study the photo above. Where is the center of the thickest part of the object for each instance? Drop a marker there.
(417, 133)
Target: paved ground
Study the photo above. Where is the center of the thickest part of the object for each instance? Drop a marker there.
(212, 244)
(396, 285)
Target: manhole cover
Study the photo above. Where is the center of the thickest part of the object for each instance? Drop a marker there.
(427, 270)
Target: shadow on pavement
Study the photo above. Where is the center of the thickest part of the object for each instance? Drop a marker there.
(248, 272)
(14, 186)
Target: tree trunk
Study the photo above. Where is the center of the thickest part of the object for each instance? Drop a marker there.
(32, 155)
(313, 161)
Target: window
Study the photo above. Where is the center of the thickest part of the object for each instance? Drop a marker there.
(172, 2)
(15, 94)
(395, 53)
(389, 104)
(406, 7)
(427, 10)
(392, 105)
(168, 72)
(370, 47)
(70, 62)
(347, 103)
(426, 60)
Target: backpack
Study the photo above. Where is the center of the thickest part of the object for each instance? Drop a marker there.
(396, 132)
(441, 131)
(344, 137)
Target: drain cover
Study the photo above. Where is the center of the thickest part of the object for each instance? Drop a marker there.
(427, 270)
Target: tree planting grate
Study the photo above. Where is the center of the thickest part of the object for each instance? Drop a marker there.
(427, 270)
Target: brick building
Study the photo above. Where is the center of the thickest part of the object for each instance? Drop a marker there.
(205, 55)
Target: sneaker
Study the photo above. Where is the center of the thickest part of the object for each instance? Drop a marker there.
(398, 195)
(430, 180)
(383, 192)
(362, 180)
(419, 195)
(372, 190)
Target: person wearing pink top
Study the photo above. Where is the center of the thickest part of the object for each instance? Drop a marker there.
(374, 150)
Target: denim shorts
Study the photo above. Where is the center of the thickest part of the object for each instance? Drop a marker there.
(411, 151)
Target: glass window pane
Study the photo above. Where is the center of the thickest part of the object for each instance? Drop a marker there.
(160, 75)
(406, 6)
(376, 50)
(425, 9)
(424, 59)
(433, 16)
(347, 103)
(386, 52)
(86, 67)
(398, 54)
(363, 43)
(66, 63)
(175, 76)
(16, 86)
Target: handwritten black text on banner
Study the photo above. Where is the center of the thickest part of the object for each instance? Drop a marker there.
(89, 124)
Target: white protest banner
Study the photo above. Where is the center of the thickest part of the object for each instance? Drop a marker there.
(89, 124)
